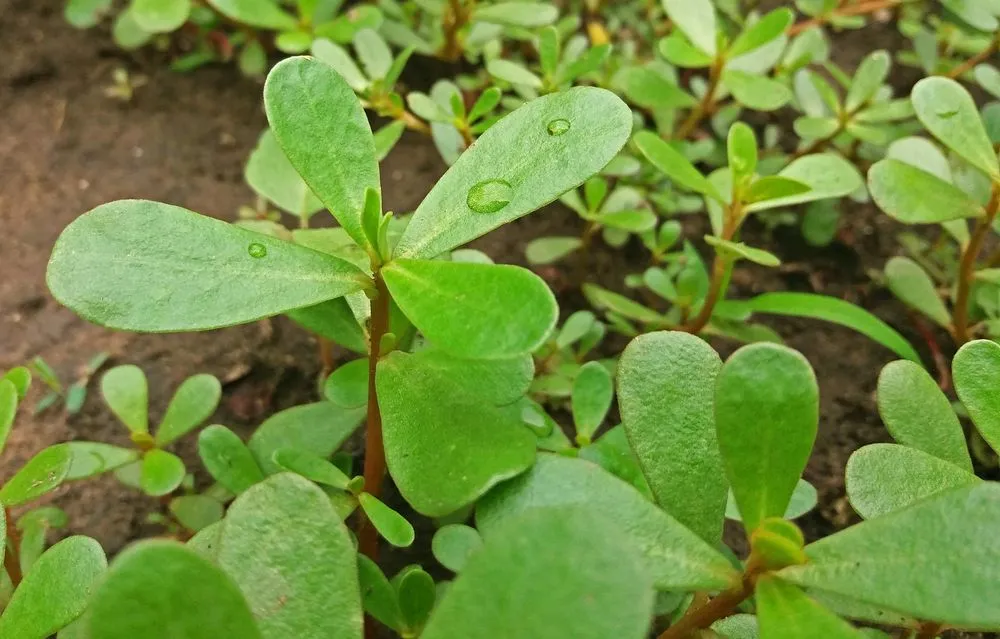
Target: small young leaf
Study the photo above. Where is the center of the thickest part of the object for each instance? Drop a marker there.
(473, 310)
(264, 14)
(816, 128)
(227, 459)
(162, 590)
(742, 150)
(675, 556)
(804, 499)
(913, 286)
(884, 478)
(914, 196)
(317, 429)
(774, 187)
(828, 175)
(574, 328)
(949, 113)
(917, 414)
(453, 544)
(585, 580)
(144, 266)
(677, 167)
(162, 473)
(593, 392)
(333, 320)
(306, 100)
(517, 14)
(196, 512)
(126, 394)
(494, 182)
(513, 72)
(766, 414)
(377, 594)
(342, 62)
(648, 87)
(438, 462)
(487, 101)
(373, 53)
(613, 302)
(390, 524)
(738, 250)
(785, 612)
(548, 52)
(41, 474)
(546, 250)
(679, 51)
(160, 16)
(387, 137)
(313, 468)
(867, 80)
(193, 403)
(830, 309)
(756, 91)
(666, 388)
(94, 458)
(879, 561)
(976, 369)
(416, 591)
(8, 410)
(762, 32)
(310, 569)
(56, 590)
(696, 18)
(347, 386)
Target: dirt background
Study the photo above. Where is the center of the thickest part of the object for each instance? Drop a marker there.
(65, 147)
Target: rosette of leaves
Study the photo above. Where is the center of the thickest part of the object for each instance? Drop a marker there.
(453, 126)
(918, 184)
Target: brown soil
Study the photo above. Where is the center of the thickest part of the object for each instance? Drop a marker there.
(65, 147)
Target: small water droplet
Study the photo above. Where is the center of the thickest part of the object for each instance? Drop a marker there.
(947, 114)
(558, 127)
(489, 196)
(256, 249)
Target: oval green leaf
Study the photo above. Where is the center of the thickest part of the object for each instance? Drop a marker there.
(227, 459)
(317, 429)
(193, 403)
(914, 196)
(162, 473)
(390, 524)
(785, 612)
(593, 392)
(914, 287)
(976, 369)
(126, 393)
(950, 114)
(453, 544)
(41, 474)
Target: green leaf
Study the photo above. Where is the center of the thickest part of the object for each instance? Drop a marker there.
(416, 591)
(306, 100)
(347, 386)
(828, 175)
(867, 80)
(160, 16)
(949, 536)
(696, 18)
(804, 499)
(333, 320)
(377, 595)
(144, 266)
(41, 474)
(513, 72)
(264, 14)
(94, 458)
(373, 53)
(272, 176)
(56, 590)
(947, 110)
(162, 473)
(678, 168)
(494, 182)
(584, 580)
(84, 14)
(473, 310)
(914, 196)
(666, 389)
(679, 51)
(196, 512)
(976, 369)
(766, 30)
(193, 403)
(785, 612)
(312, 467)
(632, 221)
(227, 459)
(648, 87)
(127, 34)
(756, 91)
(454, 544)
(593, 392)
(575, 328)
(20, 377)
(884, 478)
(546, 250)
(913, 286)
(917, 414)
(8, 410)
(317, 429)
(675, 556)
(517, 14)
(816, 127)
(988, 77)
(306, 584)
(390, 524)
(742, 151)
(978, 15)
(125, 392)
(774, 187)
(441, 463)
(605, 299)
(766, 415)
(830, 309)
(342, 62)
(387, 137)
(162, 590)
(738, 250)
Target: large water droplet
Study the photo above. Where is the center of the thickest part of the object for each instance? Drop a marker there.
(489, 196)
(558, 127)
(256, 249)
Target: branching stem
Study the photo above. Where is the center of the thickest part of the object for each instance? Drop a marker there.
(720, 271)
(703, 616)
(858, 9)
(963, 68)
(706, 105)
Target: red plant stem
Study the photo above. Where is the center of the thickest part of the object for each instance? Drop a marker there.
(703, 616)
(982, 56)
(704, 107)
(12, 558)
(374, 449)
(960, 317)
(720, 266)
(940, 361)
(861, 8)
(454, 19)
(929, 630)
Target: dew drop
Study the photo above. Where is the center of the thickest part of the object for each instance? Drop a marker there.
(489, 196)
(558, 127)
(256, 249)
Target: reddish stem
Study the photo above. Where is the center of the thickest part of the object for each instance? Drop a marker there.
(858, 9)
(12, 558)
(967, 267)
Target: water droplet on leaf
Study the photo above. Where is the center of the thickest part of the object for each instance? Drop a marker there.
(256, 249)
(558, 127)
(489, 196)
